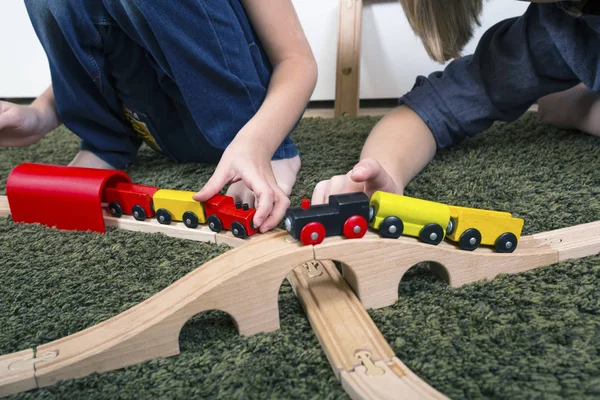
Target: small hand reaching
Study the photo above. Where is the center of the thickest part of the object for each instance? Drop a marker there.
(21, 125)
(244, 161)
(367, 176)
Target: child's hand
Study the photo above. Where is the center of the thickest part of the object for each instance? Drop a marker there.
(245, 160)
(20, 125)
(367, 176)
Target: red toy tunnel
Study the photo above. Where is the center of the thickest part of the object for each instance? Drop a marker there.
(68, 198)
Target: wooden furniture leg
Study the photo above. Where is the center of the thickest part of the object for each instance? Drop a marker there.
(347, 85)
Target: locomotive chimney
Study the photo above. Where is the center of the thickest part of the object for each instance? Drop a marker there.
(245, 206)
(305, 204)
(238, 205)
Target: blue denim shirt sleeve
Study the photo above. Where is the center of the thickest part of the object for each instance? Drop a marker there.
(515, 63)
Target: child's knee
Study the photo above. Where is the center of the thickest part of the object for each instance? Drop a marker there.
(41, 10)
(46, 14)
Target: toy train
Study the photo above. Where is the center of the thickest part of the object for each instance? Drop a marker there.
(396, 215)
(73, 199)
(219, 212)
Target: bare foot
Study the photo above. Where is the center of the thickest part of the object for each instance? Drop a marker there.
(88, 159)
(285, 172)
(576, 108)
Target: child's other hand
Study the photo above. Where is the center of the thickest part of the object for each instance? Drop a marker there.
(367, 176)
(20, 125)
(246, 161)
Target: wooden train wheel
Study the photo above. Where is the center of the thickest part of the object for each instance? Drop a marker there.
(355, 227)
(313, 233)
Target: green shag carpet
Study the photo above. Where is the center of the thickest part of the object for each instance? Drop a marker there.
(532, 335)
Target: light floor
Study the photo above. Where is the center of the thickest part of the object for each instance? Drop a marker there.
(327, 112)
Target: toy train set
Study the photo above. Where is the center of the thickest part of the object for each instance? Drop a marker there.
(74, 198)
(219, 212)
(394, 215)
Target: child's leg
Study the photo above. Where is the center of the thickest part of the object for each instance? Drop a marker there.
(86, 102)
(209, 60)
(106, 85)
(576, 108)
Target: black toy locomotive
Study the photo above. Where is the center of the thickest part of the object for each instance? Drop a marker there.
(346, 214)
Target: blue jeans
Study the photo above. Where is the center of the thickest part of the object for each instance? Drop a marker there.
(185, 76)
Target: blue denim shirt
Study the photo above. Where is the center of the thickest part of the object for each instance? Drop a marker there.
(546, 50)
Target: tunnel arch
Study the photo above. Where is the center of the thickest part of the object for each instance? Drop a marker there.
(68, 198)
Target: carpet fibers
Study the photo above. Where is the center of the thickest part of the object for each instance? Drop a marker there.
(532, 335)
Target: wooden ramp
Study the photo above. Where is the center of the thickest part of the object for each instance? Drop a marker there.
(244, 288)
(358, 353)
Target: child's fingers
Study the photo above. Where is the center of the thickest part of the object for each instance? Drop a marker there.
(216, 182)
(336, 185)
(373, 175)
(366, 169)
(264, 197)
(8, 120)
(281, 204)
(320, 192)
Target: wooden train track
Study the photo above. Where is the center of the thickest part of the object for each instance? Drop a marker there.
(245, 281)
(359, 355)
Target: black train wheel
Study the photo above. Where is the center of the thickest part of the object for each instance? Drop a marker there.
(138, 213)
(432, 234)
(214, 223)
(163, 216)
(506, 243)
(470, 239)
(190, 220)
(115, 209)
(238, 230)
(391, 227)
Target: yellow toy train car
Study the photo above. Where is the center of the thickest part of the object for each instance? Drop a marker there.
(470, 228)
(394, 215)
(178, 205)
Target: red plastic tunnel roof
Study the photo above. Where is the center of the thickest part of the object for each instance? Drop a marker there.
(68, 198)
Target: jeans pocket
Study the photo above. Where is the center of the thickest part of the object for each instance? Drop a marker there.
(144, 128)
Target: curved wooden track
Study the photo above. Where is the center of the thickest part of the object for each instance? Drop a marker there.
(245, 282)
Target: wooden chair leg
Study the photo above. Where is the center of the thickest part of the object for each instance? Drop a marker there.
(348, 58)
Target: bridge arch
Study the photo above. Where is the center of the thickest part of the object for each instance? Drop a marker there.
(245, 283)
(375, 266)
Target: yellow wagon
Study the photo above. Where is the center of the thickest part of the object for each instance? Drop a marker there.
(178, 205)
(470, 228)
(394, 215)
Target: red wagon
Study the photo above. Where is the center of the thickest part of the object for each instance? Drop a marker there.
(222, 212)
(130, 199)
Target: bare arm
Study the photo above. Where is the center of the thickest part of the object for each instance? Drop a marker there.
(402, 143)
(46, 107)
(248, 157)
(25, 125)
(294, 71)
(398, 148)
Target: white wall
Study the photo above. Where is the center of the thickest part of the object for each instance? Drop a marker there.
(392, 57)
(391, 54)
(23, 64)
